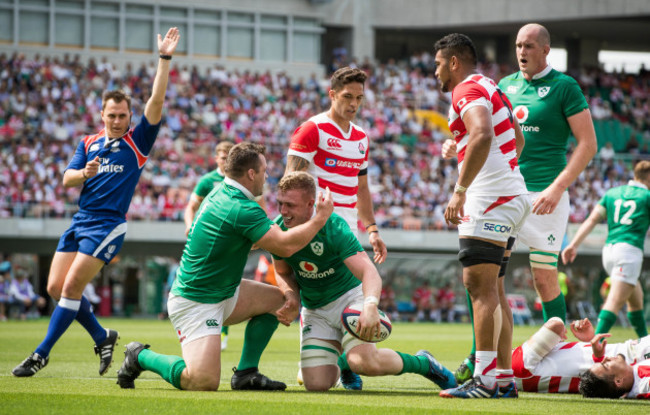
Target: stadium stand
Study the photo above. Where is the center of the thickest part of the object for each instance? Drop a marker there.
(46, 105)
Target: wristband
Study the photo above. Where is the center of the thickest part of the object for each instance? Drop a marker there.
(371, 299)
(166, 57)
(459, 189)
(371, 231)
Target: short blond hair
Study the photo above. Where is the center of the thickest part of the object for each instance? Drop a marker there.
(224, 146)
(642, 170)
(298, 180)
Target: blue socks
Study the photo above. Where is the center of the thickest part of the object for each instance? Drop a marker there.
(87, 319)
(63, 315)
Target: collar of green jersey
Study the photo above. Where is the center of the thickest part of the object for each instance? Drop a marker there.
(236, 184)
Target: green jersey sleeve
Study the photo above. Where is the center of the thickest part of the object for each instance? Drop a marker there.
(253, 222)
(573, 100)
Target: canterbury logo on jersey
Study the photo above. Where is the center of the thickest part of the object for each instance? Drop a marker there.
(212, 323)
(334, 143)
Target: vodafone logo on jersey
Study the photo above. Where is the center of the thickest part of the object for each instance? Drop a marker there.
(329, 162)
(308, 267)
(334, 143)
(521, 112)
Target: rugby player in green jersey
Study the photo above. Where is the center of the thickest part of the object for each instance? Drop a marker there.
(327, 275)
(549, 106)
(209, 291)
(206, 183)
(627, 209)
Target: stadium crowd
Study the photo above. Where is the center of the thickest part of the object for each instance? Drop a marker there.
(48, 103)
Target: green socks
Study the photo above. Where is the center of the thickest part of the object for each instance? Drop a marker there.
(343, 362)
(224, 330)
(168, 367)
(606, 319)
(470, 311)
(638, 322)
(258, 333)
(414, 364)
(554, 308)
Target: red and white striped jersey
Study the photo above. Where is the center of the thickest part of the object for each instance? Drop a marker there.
(641, 387)
(500, 174)
(559, 371)
(335, 157)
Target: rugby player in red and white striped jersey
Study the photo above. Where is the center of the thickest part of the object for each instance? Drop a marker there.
(334, 150)
(548, 363)
(489, 205)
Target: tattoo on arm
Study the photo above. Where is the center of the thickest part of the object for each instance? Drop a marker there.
(295, 163)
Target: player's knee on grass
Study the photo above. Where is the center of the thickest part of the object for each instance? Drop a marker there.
(202, 381)
(318, 356)
(364, 360)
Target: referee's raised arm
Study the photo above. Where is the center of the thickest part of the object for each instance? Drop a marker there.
(166, 48)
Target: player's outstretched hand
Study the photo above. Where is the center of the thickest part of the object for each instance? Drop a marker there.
(167, 46)
(583, 330)
(599, 343)
(324, 204)
(449, 149)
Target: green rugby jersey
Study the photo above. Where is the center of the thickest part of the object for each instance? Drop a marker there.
(628, 213)
(319, 269)
(207, 182)
(226, 226)
(542, 107)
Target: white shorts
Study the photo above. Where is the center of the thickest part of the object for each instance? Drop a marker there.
(350, 216)
(193, 320)
(546, 232)
(623, 262)
(493, 217)
(325, 323)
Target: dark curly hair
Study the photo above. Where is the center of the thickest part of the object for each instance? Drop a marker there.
(592, 386)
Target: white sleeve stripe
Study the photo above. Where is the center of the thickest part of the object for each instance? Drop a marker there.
(307, 156)
(477, 102)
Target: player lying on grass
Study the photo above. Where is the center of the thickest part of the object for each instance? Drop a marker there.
(329, 274)
(546, 363)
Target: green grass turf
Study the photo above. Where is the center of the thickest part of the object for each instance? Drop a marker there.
(70, 383)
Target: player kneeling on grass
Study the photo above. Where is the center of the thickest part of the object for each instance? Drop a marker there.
(209, 292)
(329, 274)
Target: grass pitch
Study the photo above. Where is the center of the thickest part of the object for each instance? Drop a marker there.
(70, 383)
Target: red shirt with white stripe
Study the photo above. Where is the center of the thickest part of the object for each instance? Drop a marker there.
(500, 174)
(559, 371)
(335, 157)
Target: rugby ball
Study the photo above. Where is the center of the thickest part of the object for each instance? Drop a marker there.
(350, 321)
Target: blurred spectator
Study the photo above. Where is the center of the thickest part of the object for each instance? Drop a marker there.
(5, 278)
(607, 152)
(387, 301)
(445, 301)
(422, 300)
(22, 294)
